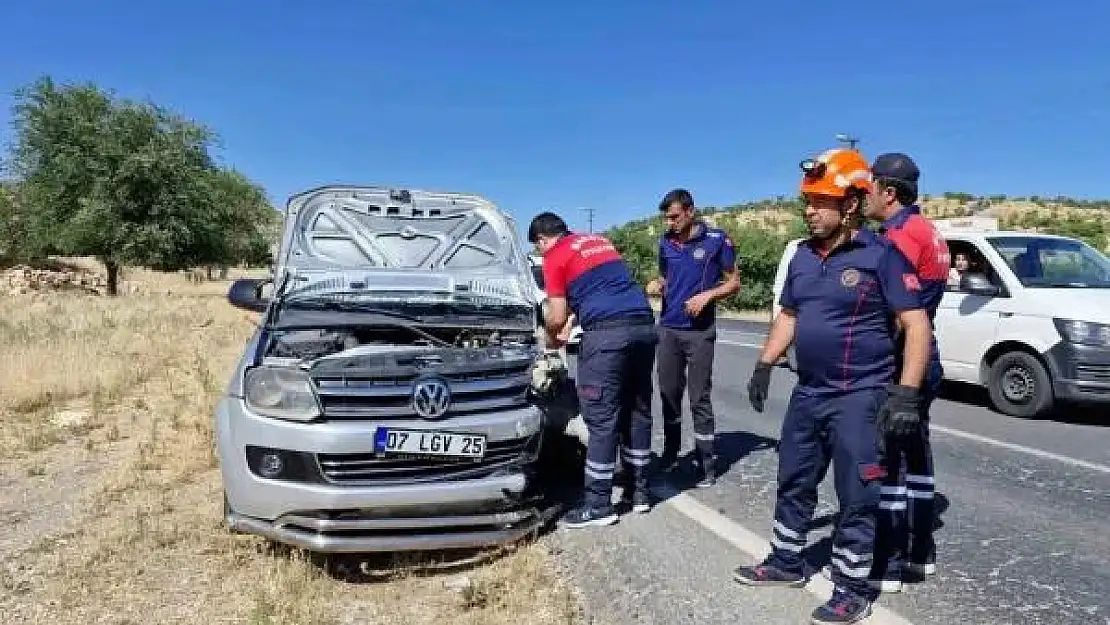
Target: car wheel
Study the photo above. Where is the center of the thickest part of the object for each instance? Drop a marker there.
(1020, 386)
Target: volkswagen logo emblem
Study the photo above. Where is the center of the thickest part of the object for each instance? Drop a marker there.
(431, 398)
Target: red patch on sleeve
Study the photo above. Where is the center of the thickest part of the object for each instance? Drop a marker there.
(872, 472)
(911, 282)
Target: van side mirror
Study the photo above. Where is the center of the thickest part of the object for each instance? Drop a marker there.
(246, 293)
(978, 284)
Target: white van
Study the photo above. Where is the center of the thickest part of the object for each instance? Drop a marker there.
(1029, 319)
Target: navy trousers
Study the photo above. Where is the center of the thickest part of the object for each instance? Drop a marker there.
(906, 511)
(615, 368)
(816, 430)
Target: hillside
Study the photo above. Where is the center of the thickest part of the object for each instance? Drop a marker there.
(762, 229)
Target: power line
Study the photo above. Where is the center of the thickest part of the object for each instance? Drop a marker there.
(589, 217)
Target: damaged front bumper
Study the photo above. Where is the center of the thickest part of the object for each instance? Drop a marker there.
(324, 499)
(326, 533)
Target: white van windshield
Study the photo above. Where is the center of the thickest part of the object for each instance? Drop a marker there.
(1054, 263)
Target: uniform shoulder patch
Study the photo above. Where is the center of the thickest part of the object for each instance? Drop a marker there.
(849, 277)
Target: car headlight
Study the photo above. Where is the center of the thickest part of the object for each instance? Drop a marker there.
(1083, 332)
(281, 393)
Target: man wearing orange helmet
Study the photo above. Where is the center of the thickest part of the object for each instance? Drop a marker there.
(844, 288)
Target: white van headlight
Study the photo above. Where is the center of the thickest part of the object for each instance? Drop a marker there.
(281, 393)
(1083, 332)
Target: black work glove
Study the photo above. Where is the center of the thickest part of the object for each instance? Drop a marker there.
(901, 414)
(759, 384)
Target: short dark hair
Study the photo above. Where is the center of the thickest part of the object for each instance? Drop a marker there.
(905, 192)
(899, 172)
(680, 196)
(546, 224)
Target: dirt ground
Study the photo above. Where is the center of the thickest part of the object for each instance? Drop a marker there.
(110, 491)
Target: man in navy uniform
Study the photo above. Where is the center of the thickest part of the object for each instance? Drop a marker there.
(845, 288)
(905, 540)
(585, 275)
(697, 264)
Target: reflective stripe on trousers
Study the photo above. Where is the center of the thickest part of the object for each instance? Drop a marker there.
(615, 367)
(906, 509)
(815, 431)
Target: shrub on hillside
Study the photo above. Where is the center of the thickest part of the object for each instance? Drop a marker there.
(758, 250)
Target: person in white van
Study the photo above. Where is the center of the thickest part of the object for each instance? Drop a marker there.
(844, 288)
(906, 509)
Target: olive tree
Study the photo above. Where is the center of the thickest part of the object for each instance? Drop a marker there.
(127, 182)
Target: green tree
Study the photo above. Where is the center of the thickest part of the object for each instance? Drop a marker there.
(124, 181)
(248, 223)
(13, 229)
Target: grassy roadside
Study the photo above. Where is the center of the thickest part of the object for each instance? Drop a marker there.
(111, 490)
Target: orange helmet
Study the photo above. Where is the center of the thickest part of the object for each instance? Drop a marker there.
(834, 171)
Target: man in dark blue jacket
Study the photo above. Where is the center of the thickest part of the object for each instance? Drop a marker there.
(584, 274)
(844, 288)
(905, 542)
(697, 265)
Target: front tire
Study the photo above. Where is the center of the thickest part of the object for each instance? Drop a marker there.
(1020, 386)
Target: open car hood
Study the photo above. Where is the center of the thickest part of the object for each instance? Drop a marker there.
(379, 240)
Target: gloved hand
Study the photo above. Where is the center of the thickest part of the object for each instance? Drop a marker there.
(901, 414)
(759, 384)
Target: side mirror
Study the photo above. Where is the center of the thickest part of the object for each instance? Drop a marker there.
(978, 284)
(246, 293)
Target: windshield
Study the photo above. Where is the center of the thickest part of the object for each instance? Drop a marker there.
(1054, 263)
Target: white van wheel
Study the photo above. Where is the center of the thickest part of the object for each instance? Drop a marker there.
(1019, 385)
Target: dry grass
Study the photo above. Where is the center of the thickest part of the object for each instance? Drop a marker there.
(111, 493)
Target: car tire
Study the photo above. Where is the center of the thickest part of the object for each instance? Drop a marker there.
(1020, 386)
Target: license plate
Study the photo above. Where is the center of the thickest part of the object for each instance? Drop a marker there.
(428, 443)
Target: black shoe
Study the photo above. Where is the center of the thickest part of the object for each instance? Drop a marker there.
(641, 502)
(586, 516)
(706, 472)
(922, 564)
(886, 584)
(767, 573)
(922, 569)
(638, 500)
(668, 461)
(842, 607)
(623, 480)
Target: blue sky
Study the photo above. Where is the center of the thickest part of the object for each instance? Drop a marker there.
(607, 104)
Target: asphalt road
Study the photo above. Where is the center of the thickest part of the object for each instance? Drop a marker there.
(1024, 509)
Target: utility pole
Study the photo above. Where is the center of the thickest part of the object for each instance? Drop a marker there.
(589, 217)
(850, 140)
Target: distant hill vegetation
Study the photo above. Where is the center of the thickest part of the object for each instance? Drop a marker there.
(762, 229)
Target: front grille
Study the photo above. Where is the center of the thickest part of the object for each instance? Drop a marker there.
(391, 397)
(368, 468)
(1093, 373)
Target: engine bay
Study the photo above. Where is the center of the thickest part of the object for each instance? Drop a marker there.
(314, 345)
